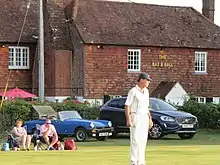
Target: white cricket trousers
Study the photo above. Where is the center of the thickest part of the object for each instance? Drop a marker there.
(138, 138)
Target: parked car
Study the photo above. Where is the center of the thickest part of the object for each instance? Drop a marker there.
(70, 123)
(166, 118)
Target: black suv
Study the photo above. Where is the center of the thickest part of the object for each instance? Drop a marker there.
(167, 119)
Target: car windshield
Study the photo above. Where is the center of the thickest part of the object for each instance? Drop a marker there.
(64, 115)
(160, 105)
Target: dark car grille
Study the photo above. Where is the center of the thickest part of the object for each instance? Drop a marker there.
(102, 127)
(186, 120)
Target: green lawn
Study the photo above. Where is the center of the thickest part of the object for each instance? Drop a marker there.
(203, 149)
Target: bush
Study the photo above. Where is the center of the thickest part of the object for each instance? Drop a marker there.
(84, 110)
(20, 109)
(208, 115)
(11, 111)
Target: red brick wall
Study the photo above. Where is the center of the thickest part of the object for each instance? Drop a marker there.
(106, 72)
(57, 73)
(63, 73)
(21, 78)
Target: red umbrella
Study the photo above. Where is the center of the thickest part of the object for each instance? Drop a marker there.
(16, 92)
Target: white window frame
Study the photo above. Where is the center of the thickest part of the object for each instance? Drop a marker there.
(199, 99)
(139, 60)
(198, 55)
(21, 66)
(216, 100)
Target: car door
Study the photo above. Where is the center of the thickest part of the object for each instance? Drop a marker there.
(121, 117)
(59, 127)
(117, 109)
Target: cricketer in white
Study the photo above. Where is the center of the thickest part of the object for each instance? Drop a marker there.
(138, 119)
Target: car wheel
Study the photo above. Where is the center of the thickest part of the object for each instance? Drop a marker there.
(114, 134)
(81, 135)
(101, 138)
(186, 135)
(156, 131)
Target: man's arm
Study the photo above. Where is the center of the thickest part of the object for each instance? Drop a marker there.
(150, 120)
(127, 113)
(149, 115)
(55, 133)
(128, 104)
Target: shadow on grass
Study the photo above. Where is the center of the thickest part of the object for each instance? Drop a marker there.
(203, 137)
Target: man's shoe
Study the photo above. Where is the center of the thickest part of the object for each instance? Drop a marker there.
(50, 148)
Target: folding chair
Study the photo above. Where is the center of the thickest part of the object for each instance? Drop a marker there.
(38, 145)
(12, 141)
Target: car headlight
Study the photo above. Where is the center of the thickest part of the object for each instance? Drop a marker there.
(109, 123)
(167, 118)
(92, 125)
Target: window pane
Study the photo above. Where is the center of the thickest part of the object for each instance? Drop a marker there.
(11, 57)
(202, 69)
(25, 57)
(18, 57)
(135, 58)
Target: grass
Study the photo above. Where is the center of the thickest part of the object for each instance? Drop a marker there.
(203, 149)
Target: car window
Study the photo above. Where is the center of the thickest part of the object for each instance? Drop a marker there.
(160, 105)
(113, 103)
(119, 103)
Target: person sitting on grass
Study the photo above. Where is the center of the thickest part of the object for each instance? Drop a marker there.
(48, 134)
(20, 134)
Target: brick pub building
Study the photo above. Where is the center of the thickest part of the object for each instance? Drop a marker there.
(96, 48)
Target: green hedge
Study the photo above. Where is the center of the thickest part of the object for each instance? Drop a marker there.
(207, 114)
(19, 109)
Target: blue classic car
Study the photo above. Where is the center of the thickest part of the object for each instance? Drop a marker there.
(70, 123)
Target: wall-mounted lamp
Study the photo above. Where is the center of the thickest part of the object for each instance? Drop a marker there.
(35, 37)
(100, 46)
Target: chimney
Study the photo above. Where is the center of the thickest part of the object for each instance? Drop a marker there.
(208, 9)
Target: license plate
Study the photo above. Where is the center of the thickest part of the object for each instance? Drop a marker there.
(103, 134)
(187, 125)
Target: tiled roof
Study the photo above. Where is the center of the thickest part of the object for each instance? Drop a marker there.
(163, 89)
(125, 23)
(12, 15)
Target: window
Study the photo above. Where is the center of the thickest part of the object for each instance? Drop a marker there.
(216, 100)
(134, 59)
(201, 99)
(209, 100)
(119, 103)
(18, 58)
(201, 62)
(160, 105)
(113, 103)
